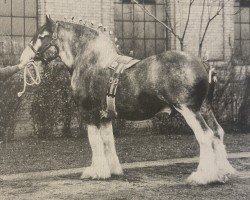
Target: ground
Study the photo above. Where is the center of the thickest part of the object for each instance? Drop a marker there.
(164, 182)
(155, 182)
(37, 155)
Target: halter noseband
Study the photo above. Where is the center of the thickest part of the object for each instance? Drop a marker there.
(39, 55)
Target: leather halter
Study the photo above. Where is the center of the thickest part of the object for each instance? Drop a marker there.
(39, 55)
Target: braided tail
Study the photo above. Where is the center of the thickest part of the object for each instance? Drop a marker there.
(212, 82)
(212, 79)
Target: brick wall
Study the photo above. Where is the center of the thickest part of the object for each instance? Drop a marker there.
(97, 11)
(216, 43)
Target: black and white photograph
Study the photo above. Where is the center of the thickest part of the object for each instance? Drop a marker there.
(124, 99)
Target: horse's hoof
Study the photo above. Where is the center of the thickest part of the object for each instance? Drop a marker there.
(198, 178)
(88, 173)
(224, 179)
(117, 171)
(230, 170)
(225, 173)
(94, 173)
(195, 179)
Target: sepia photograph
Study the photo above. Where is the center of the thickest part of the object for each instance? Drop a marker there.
(124, 99)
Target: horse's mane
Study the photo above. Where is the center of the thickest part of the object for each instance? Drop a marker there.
(90, 32)
(79, 28)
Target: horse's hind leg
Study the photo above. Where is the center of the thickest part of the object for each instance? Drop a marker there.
(109, 148)
(99, 168)
(219, 147)
(207, 170)
(207, 113)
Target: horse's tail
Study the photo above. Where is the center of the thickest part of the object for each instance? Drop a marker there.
(210, 93)
(212, 82)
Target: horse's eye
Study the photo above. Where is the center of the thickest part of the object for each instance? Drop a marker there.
(41, 37)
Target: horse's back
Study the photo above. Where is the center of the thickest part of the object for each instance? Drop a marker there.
(177, 61)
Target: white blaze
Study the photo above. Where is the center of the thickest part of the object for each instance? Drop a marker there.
(28, 54)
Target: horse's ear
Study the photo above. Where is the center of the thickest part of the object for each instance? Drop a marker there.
(49, 21)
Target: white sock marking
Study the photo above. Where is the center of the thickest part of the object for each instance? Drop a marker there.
(109, 148)
(99, 167)
(213, 165)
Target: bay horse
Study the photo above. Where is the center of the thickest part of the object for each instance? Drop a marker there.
(168, 81)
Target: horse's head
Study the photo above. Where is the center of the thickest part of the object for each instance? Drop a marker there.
(70, 42)
(43, 40)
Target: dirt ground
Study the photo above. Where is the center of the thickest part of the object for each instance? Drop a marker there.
(165, 182)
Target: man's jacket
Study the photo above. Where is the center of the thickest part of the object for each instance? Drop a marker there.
(7, 72)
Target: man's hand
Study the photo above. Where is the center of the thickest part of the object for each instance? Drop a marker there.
(22, 65)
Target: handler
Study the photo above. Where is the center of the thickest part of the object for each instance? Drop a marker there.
(8, 71)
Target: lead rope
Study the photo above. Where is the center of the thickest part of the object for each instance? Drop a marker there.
(34, 80)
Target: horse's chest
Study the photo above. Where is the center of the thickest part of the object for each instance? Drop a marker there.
(89, 87)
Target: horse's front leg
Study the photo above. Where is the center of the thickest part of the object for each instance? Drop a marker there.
(109, 148)
(99, 168)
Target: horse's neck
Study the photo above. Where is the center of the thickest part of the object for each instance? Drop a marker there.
(65, 50)
(100, 52)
